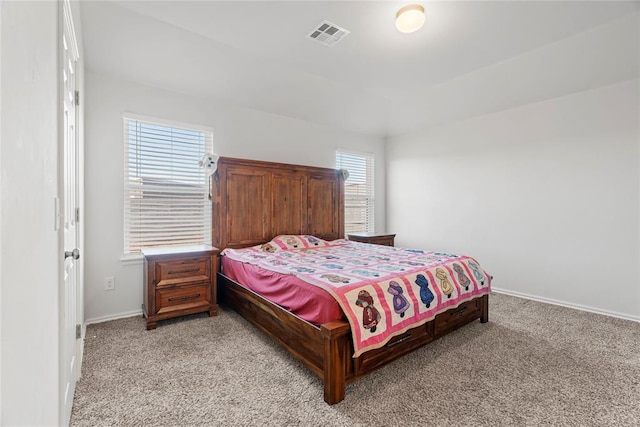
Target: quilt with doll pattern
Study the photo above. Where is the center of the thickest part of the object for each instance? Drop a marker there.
(383, 291)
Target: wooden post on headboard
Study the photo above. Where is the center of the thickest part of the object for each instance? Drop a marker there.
(254, 201)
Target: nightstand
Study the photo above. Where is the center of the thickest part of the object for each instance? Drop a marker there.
(374, 238)
(179, 280)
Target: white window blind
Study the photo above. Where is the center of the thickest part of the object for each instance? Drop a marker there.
(165, 191)
(359, 206)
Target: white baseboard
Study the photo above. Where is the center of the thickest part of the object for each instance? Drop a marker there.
(113, 317)
(566, 304)
(493, 289)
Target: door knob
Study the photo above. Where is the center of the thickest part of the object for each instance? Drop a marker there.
(74, 253)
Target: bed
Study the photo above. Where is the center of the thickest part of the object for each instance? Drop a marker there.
(255, 202)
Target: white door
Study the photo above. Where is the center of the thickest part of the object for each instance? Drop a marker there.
(70, 344)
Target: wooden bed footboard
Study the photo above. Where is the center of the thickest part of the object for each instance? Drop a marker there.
(337, 351)
(328, 349)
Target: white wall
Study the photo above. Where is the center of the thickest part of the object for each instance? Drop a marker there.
(546, 196)
(0, 215)
(29, 248)
(238, 132)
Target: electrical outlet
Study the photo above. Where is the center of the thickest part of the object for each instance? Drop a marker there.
(109, 283)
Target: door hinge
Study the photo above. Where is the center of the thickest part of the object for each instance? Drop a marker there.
(78, 332)
(77, 214)
(77, 97)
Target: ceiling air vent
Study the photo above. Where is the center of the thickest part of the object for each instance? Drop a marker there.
(327, 33)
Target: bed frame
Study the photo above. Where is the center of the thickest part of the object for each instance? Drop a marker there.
(253, 202)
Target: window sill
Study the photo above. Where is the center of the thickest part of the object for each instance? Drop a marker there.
(135, 259)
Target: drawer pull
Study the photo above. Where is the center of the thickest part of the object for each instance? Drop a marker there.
(459, 311)
(186, 270)
(401, 340)
(184, 298)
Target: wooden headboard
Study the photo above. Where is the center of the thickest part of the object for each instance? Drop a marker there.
(254, 201)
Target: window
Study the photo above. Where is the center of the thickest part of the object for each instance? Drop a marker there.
(359, 203)
(165, 191)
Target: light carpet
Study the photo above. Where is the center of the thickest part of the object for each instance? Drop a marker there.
(533, 364)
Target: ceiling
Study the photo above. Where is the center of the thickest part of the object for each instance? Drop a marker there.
(377, 81)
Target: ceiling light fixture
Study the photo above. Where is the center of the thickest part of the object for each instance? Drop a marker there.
(410, 18)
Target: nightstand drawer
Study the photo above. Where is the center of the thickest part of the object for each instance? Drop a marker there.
(182, 297)
(187, 270)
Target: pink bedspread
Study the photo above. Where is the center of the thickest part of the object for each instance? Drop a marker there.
(382, 290)
(307, 301)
